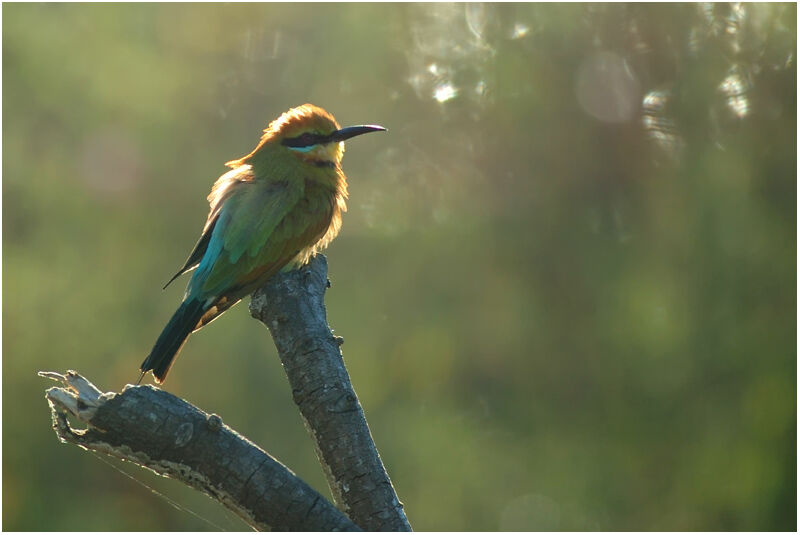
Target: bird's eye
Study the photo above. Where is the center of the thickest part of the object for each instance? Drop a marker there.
(306, 139)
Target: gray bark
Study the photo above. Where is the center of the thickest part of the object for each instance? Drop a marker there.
(292, 306)
(166, 434)
(156, 430)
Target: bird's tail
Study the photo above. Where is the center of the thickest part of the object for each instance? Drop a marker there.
(173, 336)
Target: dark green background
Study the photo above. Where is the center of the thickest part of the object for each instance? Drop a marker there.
(567, 292)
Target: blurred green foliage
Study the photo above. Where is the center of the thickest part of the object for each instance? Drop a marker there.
(566, 280)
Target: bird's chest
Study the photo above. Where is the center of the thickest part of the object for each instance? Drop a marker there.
(311, 215)
(317, 199)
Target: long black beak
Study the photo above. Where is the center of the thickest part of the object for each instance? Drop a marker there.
(352, 131)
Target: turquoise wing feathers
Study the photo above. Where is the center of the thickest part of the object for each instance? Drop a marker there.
(245, 223)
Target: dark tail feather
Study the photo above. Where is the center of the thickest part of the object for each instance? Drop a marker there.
(172, 338)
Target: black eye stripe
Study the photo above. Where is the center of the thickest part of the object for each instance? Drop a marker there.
(306, 139)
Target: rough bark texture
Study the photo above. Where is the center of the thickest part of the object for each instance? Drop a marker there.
(156, 430)
(292, 306)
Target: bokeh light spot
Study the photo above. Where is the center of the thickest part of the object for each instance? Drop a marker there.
(735, 88)
(519, 30)
(444, 92)
(659, 125)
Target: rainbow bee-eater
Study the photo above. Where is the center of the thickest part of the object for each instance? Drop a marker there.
(273, 210)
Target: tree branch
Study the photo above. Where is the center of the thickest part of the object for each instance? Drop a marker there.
(166, 434)
(292, 306)
(156, 430)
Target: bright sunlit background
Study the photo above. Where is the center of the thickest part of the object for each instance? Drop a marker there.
(566, 280)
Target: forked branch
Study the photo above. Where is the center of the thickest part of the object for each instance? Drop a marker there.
(168, 435)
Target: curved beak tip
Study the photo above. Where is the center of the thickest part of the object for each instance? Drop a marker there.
(352, 131)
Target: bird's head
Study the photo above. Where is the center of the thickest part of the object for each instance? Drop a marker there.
(310, 134)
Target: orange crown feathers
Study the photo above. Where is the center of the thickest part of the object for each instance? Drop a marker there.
(301, 118)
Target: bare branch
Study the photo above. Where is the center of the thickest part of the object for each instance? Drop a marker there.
(166, 434)
(156, 430)
(292, 306)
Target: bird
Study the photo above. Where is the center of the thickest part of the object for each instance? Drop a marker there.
(276, 208)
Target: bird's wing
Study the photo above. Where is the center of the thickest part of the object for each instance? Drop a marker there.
(197, 253)
(245, 224)
(248, 256)
(223, 188)
(254, 214)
